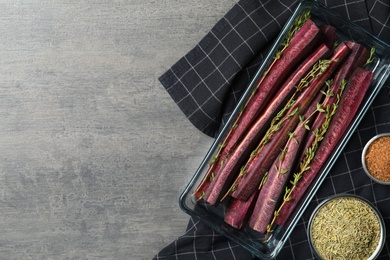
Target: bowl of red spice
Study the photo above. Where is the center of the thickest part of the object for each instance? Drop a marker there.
(376, 158)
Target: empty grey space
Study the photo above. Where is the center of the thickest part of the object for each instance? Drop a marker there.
(94, 153)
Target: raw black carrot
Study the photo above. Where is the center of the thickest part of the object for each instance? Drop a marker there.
(301, 39)
(357, 57)
(238, 211)
(300, 46)
(328, 33)
(364, 54)
(263, 156)
(238, 156)
(280, 170)
(350, 101)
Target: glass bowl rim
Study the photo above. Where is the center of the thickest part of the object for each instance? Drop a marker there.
(363, 159)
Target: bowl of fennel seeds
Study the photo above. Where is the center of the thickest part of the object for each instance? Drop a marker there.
(346, 226)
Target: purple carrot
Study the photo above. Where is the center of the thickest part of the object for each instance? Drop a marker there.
(357, 57)
(364, 54)
(286, 91)
(214, 167)
(280, 170)
(328, 33)
(300, 45)
(238, 211)
(252, 172)
(249, 142)
(353, 95)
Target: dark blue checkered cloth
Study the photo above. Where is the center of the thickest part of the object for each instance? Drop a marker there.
(207, 83)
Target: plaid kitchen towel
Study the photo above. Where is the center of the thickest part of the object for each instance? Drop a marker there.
(207, 83)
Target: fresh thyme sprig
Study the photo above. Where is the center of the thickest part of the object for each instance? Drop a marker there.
(277, 122)
(303, 122)
(293, 30)
(263, 180)
(371, 57)
(210, 174)
(298, 23)
(310, 152)
(281, 116)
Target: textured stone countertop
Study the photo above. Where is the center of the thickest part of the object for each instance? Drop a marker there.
(93, 152)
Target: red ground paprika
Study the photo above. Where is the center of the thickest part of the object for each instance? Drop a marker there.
(378, 158)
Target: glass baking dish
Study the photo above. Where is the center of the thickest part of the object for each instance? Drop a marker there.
(214, 215)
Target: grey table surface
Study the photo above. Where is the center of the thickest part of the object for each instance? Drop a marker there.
(93, 152)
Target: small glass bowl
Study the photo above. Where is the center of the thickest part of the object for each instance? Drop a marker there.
(382, 228)
(363, 158)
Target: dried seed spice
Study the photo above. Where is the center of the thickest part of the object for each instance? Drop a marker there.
(378, 158)
(345, 228)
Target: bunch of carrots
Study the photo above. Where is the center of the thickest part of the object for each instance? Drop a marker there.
(297, 113)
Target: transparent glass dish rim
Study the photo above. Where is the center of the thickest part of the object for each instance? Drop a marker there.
(212, 216)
